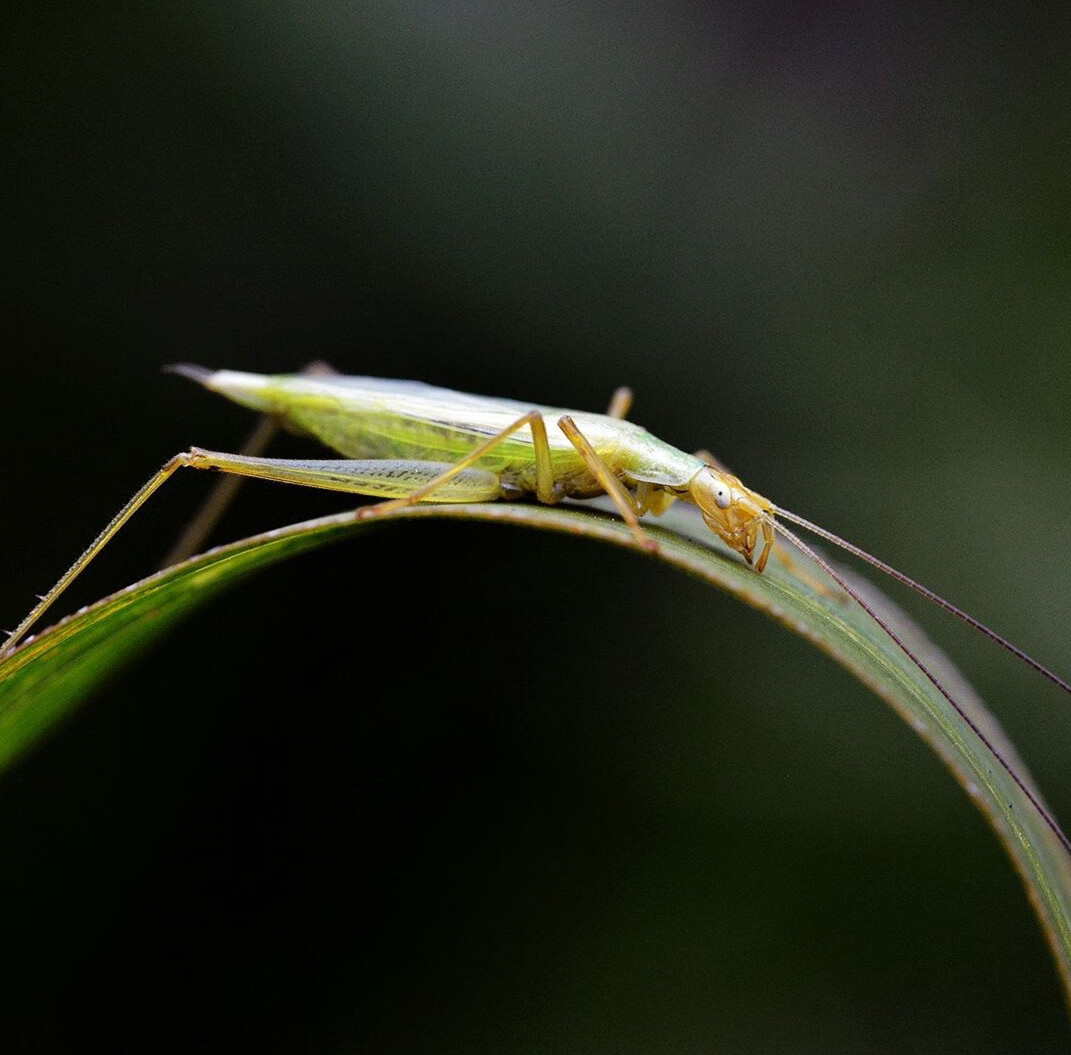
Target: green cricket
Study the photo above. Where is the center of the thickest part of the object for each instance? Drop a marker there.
(406, 442)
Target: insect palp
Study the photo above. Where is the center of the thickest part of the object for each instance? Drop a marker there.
(732, 511)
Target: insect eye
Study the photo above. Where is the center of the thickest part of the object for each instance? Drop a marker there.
(721, 496)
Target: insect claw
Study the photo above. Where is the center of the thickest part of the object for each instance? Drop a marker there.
(364, 512)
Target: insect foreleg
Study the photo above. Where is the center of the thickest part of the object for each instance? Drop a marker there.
(650, 498)
(767, 543)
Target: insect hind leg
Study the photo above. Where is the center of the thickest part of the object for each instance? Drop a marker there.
(153, 484)
(541, 449)
(221, 496)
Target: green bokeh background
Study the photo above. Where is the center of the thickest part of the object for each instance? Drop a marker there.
(591, 807)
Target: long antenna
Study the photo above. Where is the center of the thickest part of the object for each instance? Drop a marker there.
(866, 607)
(948, 606)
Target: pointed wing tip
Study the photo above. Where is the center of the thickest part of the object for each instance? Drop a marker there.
(195, 373)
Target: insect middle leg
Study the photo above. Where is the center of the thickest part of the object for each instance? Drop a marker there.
(623, 499)
(545, 492)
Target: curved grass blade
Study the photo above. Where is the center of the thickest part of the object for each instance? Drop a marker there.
(48, 674)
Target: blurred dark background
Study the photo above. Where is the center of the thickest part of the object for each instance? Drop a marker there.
(593, 806)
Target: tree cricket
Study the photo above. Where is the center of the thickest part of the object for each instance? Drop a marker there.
(405, 442)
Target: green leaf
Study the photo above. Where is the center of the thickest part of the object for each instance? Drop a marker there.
(47, 675)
